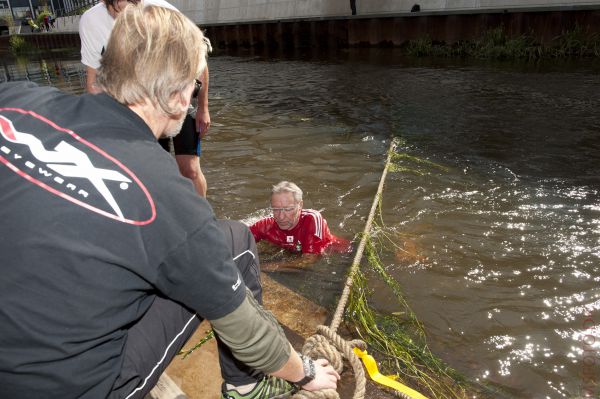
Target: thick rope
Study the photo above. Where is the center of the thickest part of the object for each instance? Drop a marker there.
(339, 313)
(328, 343)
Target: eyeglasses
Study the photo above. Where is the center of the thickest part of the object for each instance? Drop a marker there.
(197, 88)
(284, 210)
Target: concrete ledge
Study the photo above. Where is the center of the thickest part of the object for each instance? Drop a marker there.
(205, 15)
(436, 13)
(390, 30)
(381, 30)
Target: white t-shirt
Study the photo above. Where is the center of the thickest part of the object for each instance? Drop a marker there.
(95, 26)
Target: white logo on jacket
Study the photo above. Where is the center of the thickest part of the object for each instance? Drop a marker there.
(237, 283)
(67, 161)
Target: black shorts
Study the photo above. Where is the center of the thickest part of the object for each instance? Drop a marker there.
(187, 142)
(159, 335)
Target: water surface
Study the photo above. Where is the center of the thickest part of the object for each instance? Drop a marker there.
(500, 231)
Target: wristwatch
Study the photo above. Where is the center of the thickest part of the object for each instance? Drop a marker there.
(309, 371)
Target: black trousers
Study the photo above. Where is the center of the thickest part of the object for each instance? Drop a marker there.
(164, 329)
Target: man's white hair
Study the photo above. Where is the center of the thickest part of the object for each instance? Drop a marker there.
(288, 187)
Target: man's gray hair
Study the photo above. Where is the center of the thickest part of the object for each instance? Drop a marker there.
(153, 54)
(288, 187)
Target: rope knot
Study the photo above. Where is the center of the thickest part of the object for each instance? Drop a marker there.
(328, 345)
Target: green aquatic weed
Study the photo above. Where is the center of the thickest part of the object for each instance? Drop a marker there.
(209, 335)
(400, 337)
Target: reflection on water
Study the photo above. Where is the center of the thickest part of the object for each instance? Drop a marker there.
(501, 239)
(67, 74)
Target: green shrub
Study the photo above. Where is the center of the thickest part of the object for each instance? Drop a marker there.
(496, 44)
(8, 20)
(17, 44)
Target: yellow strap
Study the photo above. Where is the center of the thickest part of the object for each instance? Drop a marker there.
(379, 378)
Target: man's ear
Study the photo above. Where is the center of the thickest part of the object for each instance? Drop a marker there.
(178, 102)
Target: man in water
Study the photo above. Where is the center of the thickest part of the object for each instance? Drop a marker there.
(294, 228)
(122, 259)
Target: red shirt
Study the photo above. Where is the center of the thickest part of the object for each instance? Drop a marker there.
(310, 236)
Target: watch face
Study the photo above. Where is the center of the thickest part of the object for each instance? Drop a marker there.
(309, 367)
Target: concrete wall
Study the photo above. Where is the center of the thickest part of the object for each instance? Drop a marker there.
(276, 24)
(67, 24)
(227, 12)
(397, 30)
(209, 12)
(391, 29)
(368, 7)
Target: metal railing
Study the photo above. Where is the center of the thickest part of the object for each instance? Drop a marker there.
(75, 7)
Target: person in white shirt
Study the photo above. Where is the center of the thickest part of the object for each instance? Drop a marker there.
(95, 27)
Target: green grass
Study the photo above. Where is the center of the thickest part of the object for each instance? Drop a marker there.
(496, 44)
